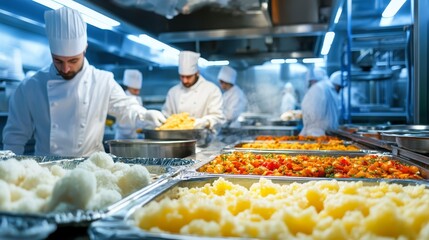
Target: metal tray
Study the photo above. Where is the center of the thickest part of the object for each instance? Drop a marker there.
(122, 226)
(203, 136)
(239, 146)
(159, 168)
(414, 142)
(424, 170)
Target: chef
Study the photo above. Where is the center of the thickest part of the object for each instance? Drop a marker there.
(132, 82)
(316, 75)
(197, 96)
(234, 100)
(289, 101)
(321, 105)
(65, 105)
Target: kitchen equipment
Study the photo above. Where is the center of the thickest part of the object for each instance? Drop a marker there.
(414, 142)
(202, 136)
(152, 148)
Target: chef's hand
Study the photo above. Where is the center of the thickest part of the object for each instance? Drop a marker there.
(154, 116)
(201, 123)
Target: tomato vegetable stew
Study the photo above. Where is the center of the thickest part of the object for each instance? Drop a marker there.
(302, 165)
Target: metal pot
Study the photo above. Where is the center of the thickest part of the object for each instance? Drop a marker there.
(202, 136)
(152, 148)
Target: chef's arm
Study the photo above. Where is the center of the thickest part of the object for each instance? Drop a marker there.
(19, 125)
(124, 108)
(127, 110)
(215, 115)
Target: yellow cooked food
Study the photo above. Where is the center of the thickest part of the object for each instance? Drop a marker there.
(312, 210)
(179, 121)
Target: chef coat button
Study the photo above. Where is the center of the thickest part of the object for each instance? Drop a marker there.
(53, 104)
(54, 125)
(82, 125)
(79, 144)
(85, 102)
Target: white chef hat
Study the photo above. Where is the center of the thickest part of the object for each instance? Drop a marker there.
(66, 32)
(335, 78)
(288, 88)
(188, 62)
(317, 74)
(227, 74)
(133, 78)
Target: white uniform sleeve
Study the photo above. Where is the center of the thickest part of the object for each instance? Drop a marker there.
(125, 109)
(168, 107)
(215, 114)
(235, 102)
(314, 111)
(18, 129)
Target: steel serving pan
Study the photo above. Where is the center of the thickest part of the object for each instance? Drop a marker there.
(408, 127)
(122, 225)
(152, 148)
(160, 169)
(239, 146)
(390, 135)
(203, 136)
(414, 142)
(424, 171)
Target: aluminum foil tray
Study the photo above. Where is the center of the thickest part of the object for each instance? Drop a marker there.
(238, 146)
(160, 169)
(121, 225)
(193, 170)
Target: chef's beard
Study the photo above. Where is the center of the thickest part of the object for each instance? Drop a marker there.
(70, 75)
(188, 85)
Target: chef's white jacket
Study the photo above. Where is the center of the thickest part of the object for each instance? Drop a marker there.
(234, 103)
(288, 103)
(128, 131)
(202, 100)
(320, 109)
(67, 117)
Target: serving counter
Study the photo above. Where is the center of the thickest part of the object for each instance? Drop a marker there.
(116, 222)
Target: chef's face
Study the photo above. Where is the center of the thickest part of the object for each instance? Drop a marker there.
(224, 85)
(68, 67)
(134, 91)
(189, 80)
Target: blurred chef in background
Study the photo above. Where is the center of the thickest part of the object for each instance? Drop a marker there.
(65, 105)
(195, 95)
(132, 82)
(316, 75)
(289, 101)
(234, 100)
(321, 105)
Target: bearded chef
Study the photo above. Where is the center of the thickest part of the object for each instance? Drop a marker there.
(65, 105)
(321, 106)
(132, 82)
(234, 100)
(197, 96)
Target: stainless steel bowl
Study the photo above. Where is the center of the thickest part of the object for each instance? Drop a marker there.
(414, 142)
(152, 148)
(202, 136)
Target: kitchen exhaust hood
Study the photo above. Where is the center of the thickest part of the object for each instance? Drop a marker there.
(244, 32)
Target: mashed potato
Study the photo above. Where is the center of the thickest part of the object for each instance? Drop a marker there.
(312, 210)
(27, 187)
